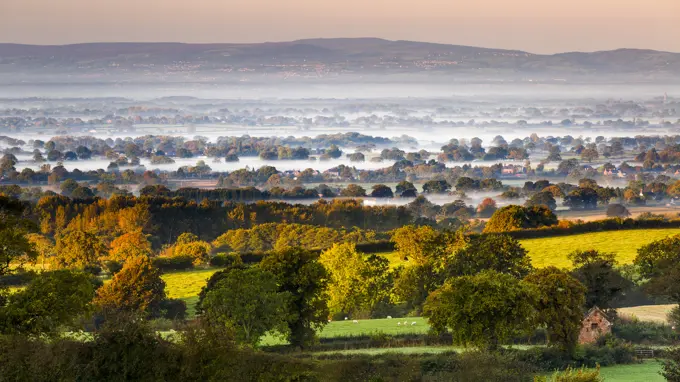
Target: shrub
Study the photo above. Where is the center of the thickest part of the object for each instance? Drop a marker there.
(226, 260)
(573, 375)
(173, 309)
(175, 263)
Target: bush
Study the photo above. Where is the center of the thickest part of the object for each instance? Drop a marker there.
(226, 260)
(644, 332)
(573, 375)
(175, 263)
(173, 309)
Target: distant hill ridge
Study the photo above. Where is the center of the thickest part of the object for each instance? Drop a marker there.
(332, 55)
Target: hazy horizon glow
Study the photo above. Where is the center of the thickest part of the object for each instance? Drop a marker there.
(537, 26)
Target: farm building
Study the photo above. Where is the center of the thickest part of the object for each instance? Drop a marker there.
(594, 324)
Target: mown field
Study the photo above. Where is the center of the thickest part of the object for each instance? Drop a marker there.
(647, 371)
(656, 313)
(554, 250)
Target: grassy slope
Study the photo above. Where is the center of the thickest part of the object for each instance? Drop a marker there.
(554, 250)
(657, 313)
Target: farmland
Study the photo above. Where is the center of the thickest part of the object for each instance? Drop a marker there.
(544, 252)
(554, 250)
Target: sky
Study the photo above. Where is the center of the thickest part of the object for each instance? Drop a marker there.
(538, 26)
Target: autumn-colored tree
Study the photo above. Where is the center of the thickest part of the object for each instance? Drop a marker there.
(415, 243)
(128, 245)
(79, 249)
(137, 287)
(486, 208)
(134, 218)
(189, 245)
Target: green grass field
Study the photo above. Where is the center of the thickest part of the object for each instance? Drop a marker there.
(554, 250)
(187, 285)
(647, 371)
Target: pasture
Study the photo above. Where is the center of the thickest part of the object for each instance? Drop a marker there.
(186, 285)
(625, 243)
(647, 371)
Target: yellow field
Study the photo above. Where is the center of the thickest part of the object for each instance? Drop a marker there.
(187, 285)
(656, 313)
(554, 250)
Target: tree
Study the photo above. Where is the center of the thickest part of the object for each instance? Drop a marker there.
(405, 186)
(589, 154)
(357, 283)
(137, 287)
(248, 302)
(483, 310)
(500, 253)
(671, 365)
(543, 198)
(559, 305)
(189, 245)
(382, 191)
(617, 211)
(79, 249)
(15, 248)
(344, 265)
(659, 262)
(436, 186)
(581, 198)
(299, 272)
(597, 272)
(486, 208)
(129, 245)
(49, 302)
(415, 243)
(513, 217)
(353, 190)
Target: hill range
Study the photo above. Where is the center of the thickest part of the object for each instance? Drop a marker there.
(331, 58)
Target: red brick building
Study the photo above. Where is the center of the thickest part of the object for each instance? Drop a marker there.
(594, 324)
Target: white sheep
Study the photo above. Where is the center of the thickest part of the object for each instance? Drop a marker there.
(405, 322)
(355, 321)
(398, 323)
(345, 318)
(389, 317)
(413, 323)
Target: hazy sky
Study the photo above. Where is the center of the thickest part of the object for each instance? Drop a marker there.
(541, 26)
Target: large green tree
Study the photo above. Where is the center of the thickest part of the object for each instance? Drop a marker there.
(659, 263)
(51, 301)
(299, 272)
(483, 310)
(598, 273)
(248, 302)
(559, 305)
(15, 247)
(500, 253)
(357, 283)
